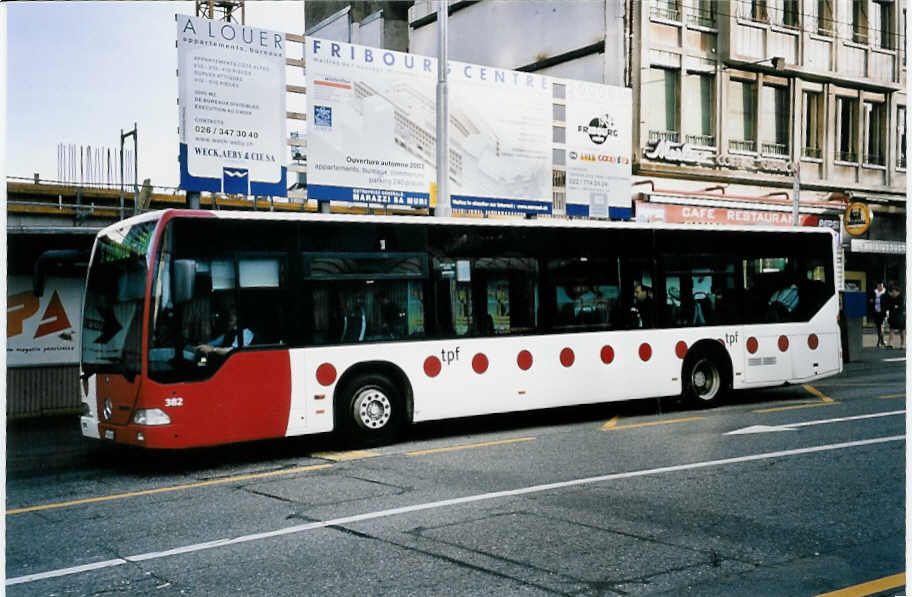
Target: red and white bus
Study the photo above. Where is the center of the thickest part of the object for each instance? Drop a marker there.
(203, 328)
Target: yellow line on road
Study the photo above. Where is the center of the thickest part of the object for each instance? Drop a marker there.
(870, 588)
(816, 392)
(651, 423)
(824, 401)
(611, 423)
(120, 496)
(891, 396)
(350, 455)
(470, 446)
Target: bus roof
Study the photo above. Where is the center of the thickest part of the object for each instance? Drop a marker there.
(452, 221)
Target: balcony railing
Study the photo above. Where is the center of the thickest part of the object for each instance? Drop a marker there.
(847, 156)
(702, 18)
(874, 159)
(779, 150)
(670, 136)
(812, 152)
(742, 145)
(668, 13)
(701, 140)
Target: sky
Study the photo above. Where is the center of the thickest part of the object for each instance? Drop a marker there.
(79, 72)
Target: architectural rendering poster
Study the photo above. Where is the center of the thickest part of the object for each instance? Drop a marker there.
(43, 330)
(231, 81)
(372, 137)
(598, 150)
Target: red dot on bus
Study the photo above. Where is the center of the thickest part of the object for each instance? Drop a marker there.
(524, 360)
(567, 357)
(645, 351)
(432, 366)
(480, 363)
(326, 374)
(783, 343)
(813, 341)
(607, 354)
(752, 345)
(681, 349)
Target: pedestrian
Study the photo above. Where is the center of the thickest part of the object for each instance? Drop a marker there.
(878, 311)
(896, 315)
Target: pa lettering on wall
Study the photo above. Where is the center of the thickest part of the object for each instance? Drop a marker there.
(43, 330)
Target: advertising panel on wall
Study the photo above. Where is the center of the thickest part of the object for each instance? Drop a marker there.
(43, 330)
(231, 81)
(598, 150)
(372, 138)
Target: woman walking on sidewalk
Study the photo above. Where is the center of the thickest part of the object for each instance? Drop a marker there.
(878, 311)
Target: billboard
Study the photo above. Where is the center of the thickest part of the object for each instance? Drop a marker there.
(372, 137)
(231, 98)
(598, 150)
(43, 330)
(695, 214)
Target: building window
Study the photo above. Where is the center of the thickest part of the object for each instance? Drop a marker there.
(901, 137)
(662, 102)
(821, 17)
(784, 12)
(875, 133)
(703, 14)
(758, 10)
(860, 21)
(813, 124)
(882, 19)
(699, 102)
(665, 9)
(742, 110)
(846, 109)
(774, 133)
(559, 112)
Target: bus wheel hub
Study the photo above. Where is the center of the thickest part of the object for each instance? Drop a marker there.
(372, 409)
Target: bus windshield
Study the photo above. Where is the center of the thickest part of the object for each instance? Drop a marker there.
(112, 313)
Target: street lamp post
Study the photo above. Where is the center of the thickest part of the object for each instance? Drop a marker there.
(443, 207)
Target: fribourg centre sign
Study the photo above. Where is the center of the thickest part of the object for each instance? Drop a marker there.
(231, 81)
(372, 134)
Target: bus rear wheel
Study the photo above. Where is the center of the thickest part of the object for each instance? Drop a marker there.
(371, 411)
(704, 382)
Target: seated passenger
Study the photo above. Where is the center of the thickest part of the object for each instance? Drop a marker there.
(782, 303)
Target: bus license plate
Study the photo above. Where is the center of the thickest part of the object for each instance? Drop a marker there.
(109, 434)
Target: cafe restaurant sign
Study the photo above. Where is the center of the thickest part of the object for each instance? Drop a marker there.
(686, 153)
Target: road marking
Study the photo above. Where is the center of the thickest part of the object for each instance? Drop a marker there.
(469, 446)
(342, 456)
(611, 423)
(894, 360)
(816, 392)
(795, 426)
(870, 588)
(888, 396)
(824, 401)
(649, 424)
(120, 496)
(469, 499)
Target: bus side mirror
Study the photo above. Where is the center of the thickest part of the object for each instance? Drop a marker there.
(183, 278)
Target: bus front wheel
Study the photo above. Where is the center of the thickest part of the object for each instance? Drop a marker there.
(704, 381)
(371, 411)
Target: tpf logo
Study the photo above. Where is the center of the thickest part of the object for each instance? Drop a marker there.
(600, 128)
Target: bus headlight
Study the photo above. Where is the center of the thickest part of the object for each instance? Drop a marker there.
(151, 416)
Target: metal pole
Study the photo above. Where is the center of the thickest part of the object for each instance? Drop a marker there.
(443, 162)
(121, 176)
(135, 169)
(796, 193)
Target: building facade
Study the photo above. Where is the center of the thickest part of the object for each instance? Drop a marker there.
(739, 105)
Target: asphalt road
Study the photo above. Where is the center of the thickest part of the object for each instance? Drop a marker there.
(641, 498)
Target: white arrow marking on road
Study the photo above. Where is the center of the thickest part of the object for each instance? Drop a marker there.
(795, 426)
